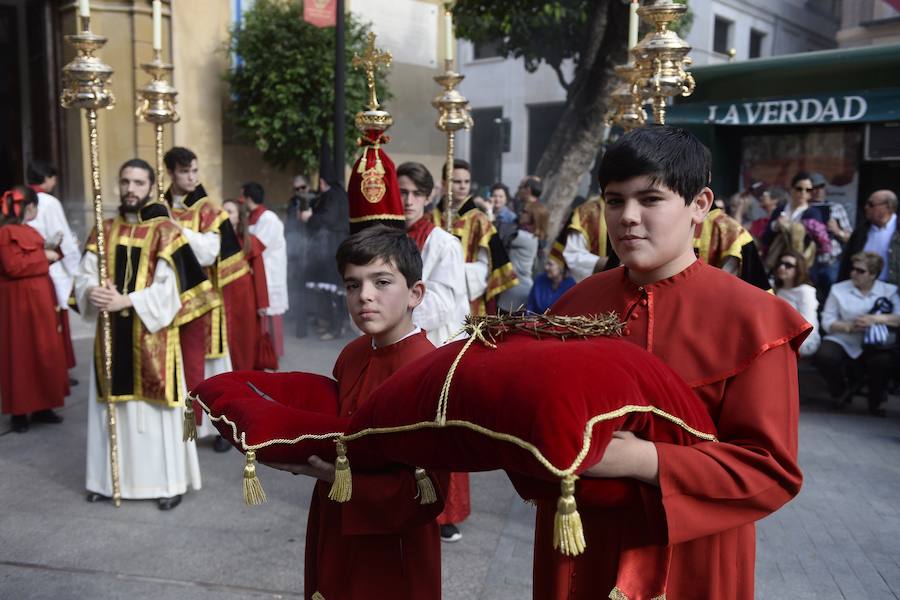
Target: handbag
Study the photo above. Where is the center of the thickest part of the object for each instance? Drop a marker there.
(878, 335)
(265, 358)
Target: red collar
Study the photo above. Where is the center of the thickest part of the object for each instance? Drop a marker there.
(255, 214)
(419, 231)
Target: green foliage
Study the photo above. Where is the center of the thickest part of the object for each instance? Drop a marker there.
(282, 85)
(535, 30)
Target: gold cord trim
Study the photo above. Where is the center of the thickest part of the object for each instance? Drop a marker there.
(617, 594)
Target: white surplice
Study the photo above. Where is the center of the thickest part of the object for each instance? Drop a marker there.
(445, 305)
(50, 221)
(579, 259)
(270, 231)
(154, 462)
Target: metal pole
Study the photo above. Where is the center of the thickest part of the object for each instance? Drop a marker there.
(448, 210)
(105, 324)
(340, 70)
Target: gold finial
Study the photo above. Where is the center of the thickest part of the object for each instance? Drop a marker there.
(371, 61)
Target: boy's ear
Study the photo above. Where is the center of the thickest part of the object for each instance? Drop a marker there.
(416, 294)
(701, 205)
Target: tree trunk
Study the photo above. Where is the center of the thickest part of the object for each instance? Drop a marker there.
(577, 138)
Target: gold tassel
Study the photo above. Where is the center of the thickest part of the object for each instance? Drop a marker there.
(568, 534)
(617, 594)
(363, 161)
(426, 494)
(318, 596)
(190, 420)
(342, 488)
(379, 168)
(253, 491)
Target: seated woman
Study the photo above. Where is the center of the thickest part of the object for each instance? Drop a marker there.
(792, 285)
(852, 307)
(548, 287)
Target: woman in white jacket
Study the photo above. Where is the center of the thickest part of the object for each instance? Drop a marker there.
(792, 285)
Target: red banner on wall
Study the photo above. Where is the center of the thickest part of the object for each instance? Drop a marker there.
(319, 13)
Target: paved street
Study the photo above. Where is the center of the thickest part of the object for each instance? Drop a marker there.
(839, 539)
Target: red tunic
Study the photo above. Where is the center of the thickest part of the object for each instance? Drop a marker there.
(243, 297)
(735, 345)
(33, 366)
(382, 543)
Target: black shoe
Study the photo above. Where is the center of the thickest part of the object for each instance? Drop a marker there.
(19, 423)
(46, 416)
(73, 382)
(95, 497)
(221, 444)
(169, 503)
(450, 533)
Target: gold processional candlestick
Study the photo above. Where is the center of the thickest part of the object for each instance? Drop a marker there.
(453, 115)
(157, 106)
(661, 58)
(627, 110)
(86, 86)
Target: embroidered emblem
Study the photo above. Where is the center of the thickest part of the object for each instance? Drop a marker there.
(372, 186)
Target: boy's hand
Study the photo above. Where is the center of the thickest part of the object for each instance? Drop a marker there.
(317, 468)
(628, 456)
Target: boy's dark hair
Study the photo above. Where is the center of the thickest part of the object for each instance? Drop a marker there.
(419, 175)
(139, 163)
(390, 244)
(25, 195)
(670, 156)
(458, 163)
(38, 171)
(533, 183)
(800, 177)
(178, 157)
(254, 191)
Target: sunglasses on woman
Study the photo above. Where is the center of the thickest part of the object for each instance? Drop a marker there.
(787, 265)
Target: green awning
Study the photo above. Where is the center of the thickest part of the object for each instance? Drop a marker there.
(832, 86)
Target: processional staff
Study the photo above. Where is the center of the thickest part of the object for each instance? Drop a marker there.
(158, 96)
(453, 111)
(85, 86)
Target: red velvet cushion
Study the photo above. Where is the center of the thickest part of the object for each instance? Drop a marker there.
(542, 392)
(301, 404)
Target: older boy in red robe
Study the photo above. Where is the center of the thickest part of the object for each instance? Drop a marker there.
(734, 344)
(382, 543)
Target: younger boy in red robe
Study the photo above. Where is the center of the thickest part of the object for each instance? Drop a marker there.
(733, 343)
(382, 543)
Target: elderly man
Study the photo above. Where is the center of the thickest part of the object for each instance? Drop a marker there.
(877, 233)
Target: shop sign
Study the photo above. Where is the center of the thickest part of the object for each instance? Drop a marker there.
(849, 107)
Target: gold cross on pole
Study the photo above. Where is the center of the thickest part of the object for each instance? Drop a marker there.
(371, 61)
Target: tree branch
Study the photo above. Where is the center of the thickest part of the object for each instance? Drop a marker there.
(557, 68)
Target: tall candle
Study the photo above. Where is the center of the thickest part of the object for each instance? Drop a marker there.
(84, 8)
(448, 35)
(632, 24)
(157, 25)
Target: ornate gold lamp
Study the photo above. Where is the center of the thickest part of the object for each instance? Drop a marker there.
(626, 111)
(157, 106)
(86, 86)
(453, 113)
(661, 58)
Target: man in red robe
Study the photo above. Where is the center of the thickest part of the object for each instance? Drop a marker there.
(383, 543)
(734, 344)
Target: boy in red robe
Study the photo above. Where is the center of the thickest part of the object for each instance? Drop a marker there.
(382, 543)
(734, 344)
(33, 375)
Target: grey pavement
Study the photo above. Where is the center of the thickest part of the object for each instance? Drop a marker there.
(839, 539)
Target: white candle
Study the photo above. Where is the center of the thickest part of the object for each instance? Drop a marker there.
(84, 8)
(632, 24)
(157, 25)
(448, 35)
